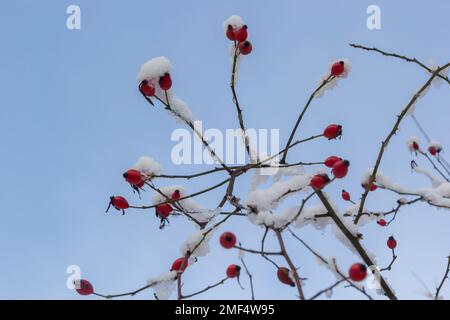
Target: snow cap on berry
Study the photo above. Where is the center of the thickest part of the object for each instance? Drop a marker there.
(147, 166)
(413, 144)
(235, 21)
(154, 69)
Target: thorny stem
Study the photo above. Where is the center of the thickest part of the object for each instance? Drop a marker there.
(438, 289)
(395, 55)
(205, 289)
(385, 143)
(300, 117)
(291, 265)
(236, 101)
(355, 243)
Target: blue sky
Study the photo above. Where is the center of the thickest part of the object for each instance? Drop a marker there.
(72, 121)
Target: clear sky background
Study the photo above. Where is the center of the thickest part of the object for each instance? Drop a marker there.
(72, 121)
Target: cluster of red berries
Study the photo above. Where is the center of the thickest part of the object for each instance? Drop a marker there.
(147, 88)
(339, 166)
(240, 35)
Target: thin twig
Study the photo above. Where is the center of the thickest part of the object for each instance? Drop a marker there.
(438, 289)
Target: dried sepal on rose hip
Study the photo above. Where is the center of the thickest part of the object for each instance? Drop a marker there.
(228, 240)
(119, 203)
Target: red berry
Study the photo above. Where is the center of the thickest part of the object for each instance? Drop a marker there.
(392, 243)
(230, 33)
(333, 131)
(382, 222)
(165, 82)
(233, 271)
(147, 89)
(340, 168)
(176, 195)
(357, 272)
(118, 202)
(284, 277)
(241, 34)
(133, 177)
(84, 287)
(331, 160)
(345, 195)
(415, 146)
(337, 68)
(245, 47)
(319, 181)
(176, 265)
(433, 151)
(163, 210)
(373, 187)
(228, 240)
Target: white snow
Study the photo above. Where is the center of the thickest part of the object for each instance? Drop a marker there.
(197, 239)
(147, 166)
(267, 199)
(437, 81)
(153, 69)
(164, 285)
(436, 144)
(235, 21)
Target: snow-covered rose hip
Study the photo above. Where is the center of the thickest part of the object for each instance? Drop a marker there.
(345, 195)
(283, 275)
(319, 181)
(233, 271)
(164, 210)
(119, 203)
(147, 89)
(245, 47)
(357, 272)
(241, 34)
(176, 265)
(228, 240)
(331, 160)
(392, 243)
(340, 168)
(338, 68)
(84, 287)
(333, 131)
(165, 82)
(133, 177)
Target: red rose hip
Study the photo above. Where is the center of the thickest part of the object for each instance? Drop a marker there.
(119, 203)
(392, 243)
(133, 177)
(319, 181)
(345, 195)
(340, 168)
(147, 89)
(283, 275)
(331, 160)
(357, 272)
(245, 47)
(333, 131)
(231, 35)
(228, 240)
(233, 271)
(84, 287)
(165, 82)
(163, 210)
(176, 265)
(338, 68)
(241, 34)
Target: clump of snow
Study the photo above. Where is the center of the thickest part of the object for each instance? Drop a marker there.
(153, 69)
(257, 179)
(164, 285)
(288, 172)
(444, 190)
(435, 181)
(410, 143)
(267, 199)
(147, 166)
(178, 107)
(235, 21)
(311, 216)
(437, 81)
(330, 84)
(197, 244)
